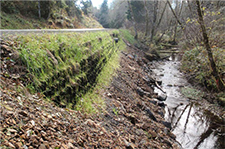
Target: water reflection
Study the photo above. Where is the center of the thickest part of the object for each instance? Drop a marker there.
(194, 128)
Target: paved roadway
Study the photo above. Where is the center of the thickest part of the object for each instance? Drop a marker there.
(4, 32)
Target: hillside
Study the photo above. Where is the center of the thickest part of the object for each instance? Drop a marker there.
(52, 15)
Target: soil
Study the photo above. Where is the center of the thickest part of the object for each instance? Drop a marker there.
(132, 117)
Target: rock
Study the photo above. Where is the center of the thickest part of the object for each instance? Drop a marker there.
(130, 56)
(12, 130)
(70, 145)
(153, 101)
(162, 98)
(159, 82)
(150, 114)
(152, 134)
(140, 62)
(6, 48)
(42, 146)
(150, 57)
(161, 104)
(170, 85)
(131, 118)
(5, 51)
(149, 80)
(71, 25)
(59, 23)
(10, 145)
(24, 113)
(141, 92)
(64, 146)
(145, 60)
(18, 145)
(167, 142)
(161, 114)
(129, 145)
(221, 101)
(167, 124)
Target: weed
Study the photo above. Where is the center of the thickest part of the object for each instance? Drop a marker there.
(128, 36)
(115, 111)
(192, 93)
(195, 62)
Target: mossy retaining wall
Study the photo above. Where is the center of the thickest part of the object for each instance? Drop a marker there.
(65, 66)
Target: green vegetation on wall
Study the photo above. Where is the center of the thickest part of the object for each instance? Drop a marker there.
(16, 21)
(66, 67)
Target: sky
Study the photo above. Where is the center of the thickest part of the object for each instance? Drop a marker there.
(98, 3)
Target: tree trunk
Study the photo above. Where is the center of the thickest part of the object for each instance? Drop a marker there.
(154, 19)
(178, 21)
(134, 23)
(39, 9)
(161, 16)
(179, 13)
(146, 19)
(215, 73)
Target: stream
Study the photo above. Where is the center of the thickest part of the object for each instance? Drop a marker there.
(194, 126)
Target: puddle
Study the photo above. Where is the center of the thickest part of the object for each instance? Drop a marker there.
(194, 128)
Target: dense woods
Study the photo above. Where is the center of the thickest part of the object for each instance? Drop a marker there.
(189, 24)
(42, 9)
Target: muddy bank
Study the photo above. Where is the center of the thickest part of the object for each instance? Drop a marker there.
(132, 106)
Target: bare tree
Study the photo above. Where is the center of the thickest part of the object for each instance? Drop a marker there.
(133, 20)
(178, 21)
(146, 19)
(154, 18)
(39, 9)
(215, 73)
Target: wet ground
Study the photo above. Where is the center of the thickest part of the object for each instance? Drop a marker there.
(194, 126)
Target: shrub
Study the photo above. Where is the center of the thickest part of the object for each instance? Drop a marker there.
(195, 62)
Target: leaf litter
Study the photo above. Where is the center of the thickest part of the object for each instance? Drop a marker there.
(28, 121)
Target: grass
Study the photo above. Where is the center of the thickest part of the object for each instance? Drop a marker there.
(84, 66)
(192, 93)
(128, 36)
(93, 102)
(18, 21)
(15, 21)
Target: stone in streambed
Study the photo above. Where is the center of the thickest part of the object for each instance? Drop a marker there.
(141, 92)
(170, 85)
(150, 114)
(153, 101)
(162, 98)
(167, 124)
(161, 104)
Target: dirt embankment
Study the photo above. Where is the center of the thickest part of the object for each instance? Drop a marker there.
(131, 119)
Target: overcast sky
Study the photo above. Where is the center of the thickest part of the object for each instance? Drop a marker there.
(97, 3)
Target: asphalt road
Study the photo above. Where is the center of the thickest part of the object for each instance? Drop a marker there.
(5, 32)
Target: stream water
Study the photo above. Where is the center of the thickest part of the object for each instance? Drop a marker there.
(194, 127)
